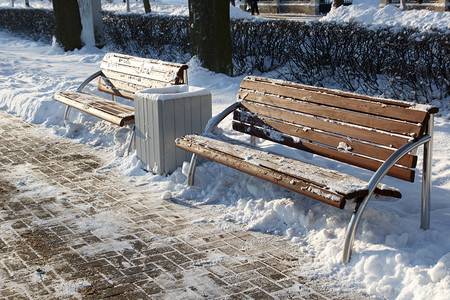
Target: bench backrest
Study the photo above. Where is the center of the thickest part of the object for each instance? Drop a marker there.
(124, 75)
(359, 130)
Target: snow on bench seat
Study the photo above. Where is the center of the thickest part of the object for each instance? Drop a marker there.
(114, 112)
(329, 186)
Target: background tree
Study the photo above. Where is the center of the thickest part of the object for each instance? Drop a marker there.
(337, 3)
(147, 7)
(210, 34)
(67, 24)
(403, 4)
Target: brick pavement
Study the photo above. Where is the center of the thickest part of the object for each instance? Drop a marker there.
(71, 229)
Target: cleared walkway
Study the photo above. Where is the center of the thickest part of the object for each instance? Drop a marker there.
(70, 229)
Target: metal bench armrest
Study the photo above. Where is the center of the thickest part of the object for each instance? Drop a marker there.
(89, 79)
(212, 123)
(215, 121)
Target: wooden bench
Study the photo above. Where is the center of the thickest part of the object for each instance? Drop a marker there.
(367, 132)
(122, 75)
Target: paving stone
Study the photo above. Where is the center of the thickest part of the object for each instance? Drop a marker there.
(177, 257)
(241, 287)
(258, 294)
(150, 287)
(248, 267)
(266, 285)
(271, 273)
(244, 276)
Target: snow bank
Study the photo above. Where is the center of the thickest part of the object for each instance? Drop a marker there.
(368, 12)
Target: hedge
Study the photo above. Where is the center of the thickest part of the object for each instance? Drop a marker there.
(401, 63)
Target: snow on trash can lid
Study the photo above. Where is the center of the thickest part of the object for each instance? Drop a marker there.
(172, 92)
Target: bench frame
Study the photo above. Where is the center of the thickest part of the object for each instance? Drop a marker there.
(426, 140)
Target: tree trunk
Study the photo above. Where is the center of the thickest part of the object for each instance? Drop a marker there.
(147, 7)
(67, 24)
(210, 34)
(27, 3)
(337, 3)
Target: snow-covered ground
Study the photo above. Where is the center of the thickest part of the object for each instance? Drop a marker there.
(392, 258)
(368, 12)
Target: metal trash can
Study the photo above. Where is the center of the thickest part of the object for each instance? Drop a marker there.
(161, 116)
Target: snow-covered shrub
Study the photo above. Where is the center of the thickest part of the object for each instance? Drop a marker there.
(161, 37)
(37, 24)
(403, 64)
(259, 46)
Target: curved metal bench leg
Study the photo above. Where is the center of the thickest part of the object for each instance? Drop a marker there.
(426, 177)
(66, 114)
(376, 178)
(212, 123)
(351, 229)
(191, 172)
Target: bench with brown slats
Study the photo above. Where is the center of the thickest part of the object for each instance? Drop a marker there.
(122, 75)
(372, 133)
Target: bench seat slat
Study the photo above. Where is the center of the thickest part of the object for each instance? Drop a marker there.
(333, 113)
(309, 134)
(114, 112)
(319, 183)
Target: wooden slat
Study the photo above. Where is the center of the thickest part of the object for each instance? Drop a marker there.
(346, 157)
(151, 69)
(123, 89)
(323, 138)
(332, 113)
(116, 85)
(300, 89)
(133, 80)
(110, 111)
(376, 137)
(138, 62)
(116, 92)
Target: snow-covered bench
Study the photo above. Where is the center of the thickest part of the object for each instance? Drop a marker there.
(367, 132)
(122, 75)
